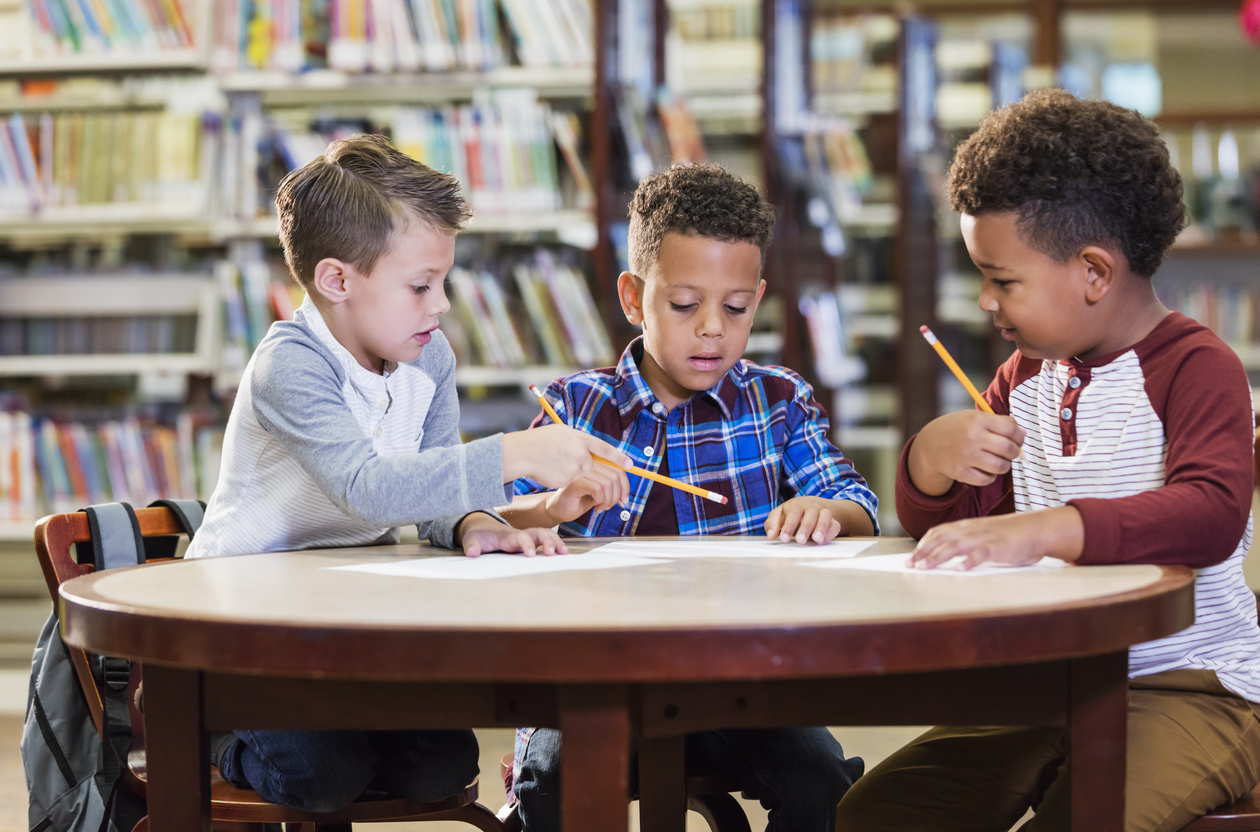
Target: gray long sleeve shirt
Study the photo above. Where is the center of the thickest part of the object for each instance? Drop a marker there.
(320, 452)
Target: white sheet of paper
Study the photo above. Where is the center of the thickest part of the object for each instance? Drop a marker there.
(494, 566)
(708, 547)
(898, 563)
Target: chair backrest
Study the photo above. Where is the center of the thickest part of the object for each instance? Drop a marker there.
(56, 537)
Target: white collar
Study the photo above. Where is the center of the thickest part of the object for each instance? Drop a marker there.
(359, 375)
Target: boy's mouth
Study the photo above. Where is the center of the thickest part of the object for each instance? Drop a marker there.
(705, 362)
(425, 337)
(1007, 332)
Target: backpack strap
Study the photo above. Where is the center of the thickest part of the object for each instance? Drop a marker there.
(189, 513)
(116, 542)
(116, 539)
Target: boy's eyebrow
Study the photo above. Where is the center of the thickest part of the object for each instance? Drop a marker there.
(698, 288)
(992, 267)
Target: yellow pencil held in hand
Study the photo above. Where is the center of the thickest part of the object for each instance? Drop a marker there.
(953, 365)
(672, 483)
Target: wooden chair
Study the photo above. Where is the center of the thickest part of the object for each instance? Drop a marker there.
(708, 795)
(231, 809)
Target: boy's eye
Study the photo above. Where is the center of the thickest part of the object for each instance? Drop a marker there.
(420, 290)
(1002, 284)
(737, 310)
(678, 308)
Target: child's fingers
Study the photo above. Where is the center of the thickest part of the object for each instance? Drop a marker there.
(548, 541)
(791, 519)
(600, 448)
(808, 521)
(472, 546)
(833, 531)
(774, 521)
(939, 547)
(823, 524)
(521, 542)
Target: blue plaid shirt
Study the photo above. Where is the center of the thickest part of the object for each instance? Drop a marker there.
(757, 436)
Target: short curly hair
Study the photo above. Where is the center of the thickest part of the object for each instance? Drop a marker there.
(702, 200)
(1076, 173)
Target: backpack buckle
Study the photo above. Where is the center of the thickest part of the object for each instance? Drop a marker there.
(115, 672)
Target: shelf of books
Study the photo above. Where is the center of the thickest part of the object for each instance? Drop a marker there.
(59, 465)
(46, 38)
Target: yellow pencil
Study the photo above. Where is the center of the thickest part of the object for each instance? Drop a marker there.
(672, 483)
(953, 365)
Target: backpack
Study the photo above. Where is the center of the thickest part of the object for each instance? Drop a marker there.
(72, 777)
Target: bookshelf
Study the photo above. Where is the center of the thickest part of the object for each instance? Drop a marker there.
(70, 260)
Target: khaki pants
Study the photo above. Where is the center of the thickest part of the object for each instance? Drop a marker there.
(1193, 746)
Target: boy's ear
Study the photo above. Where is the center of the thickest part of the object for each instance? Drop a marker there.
(330, 279)
(630, 293)
(761, 290)
(1100, 272)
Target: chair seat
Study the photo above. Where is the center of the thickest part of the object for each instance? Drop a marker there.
(1243, 815)
(228, 803)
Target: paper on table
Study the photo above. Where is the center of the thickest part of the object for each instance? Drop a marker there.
(898, 563)
(709, 547)
(494, 566)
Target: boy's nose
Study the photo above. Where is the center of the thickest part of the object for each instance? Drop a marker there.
(988, 302)
(711, 324)
(444, 303)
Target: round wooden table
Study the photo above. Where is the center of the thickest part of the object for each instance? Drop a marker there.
(655, 651)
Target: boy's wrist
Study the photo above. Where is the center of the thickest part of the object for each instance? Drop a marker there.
(473, 520)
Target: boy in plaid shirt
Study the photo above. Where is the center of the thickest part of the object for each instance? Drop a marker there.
(682, 402)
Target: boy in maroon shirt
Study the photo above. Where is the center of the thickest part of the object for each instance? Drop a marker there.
(1122, 433)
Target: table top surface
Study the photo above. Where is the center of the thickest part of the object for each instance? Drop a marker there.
(290, 612)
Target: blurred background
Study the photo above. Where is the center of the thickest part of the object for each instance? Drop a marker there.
(141, 143)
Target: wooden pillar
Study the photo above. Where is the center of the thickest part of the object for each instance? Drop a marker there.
(176, 750)
(595, 765)
(1098, 706)
(1047, 32)
(601, 159)
(917, 247)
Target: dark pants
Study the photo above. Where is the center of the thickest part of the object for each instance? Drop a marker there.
(798, 774)
(325, 771)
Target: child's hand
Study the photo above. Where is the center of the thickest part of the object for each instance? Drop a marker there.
(1017, 539)
(806, 518)
(555, 455)
(599, 489)
(507, 539)
(969, 446)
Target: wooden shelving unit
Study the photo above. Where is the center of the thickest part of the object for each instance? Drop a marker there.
(329, 87)
(171, 60)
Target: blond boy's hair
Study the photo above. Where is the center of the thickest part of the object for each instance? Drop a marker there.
(349, 203)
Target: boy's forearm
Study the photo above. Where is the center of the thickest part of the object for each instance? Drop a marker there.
(1062, 531)
(529, 511)
(923, 475)
(854, 521)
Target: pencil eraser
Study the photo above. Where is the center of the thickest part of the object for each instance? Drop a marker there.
(924, 329)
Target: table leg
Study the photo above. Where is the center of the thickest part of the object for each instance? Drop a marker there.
(662, 784)
(595, 761)
(1098, 706)
(177, 757)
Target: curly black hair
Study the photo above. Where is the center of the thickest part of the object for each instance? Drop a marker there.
(1076, 173)
(702, 200)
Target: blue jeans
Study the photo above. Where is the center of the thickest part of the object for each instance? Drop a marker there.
(325, 771)
(798, 774)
